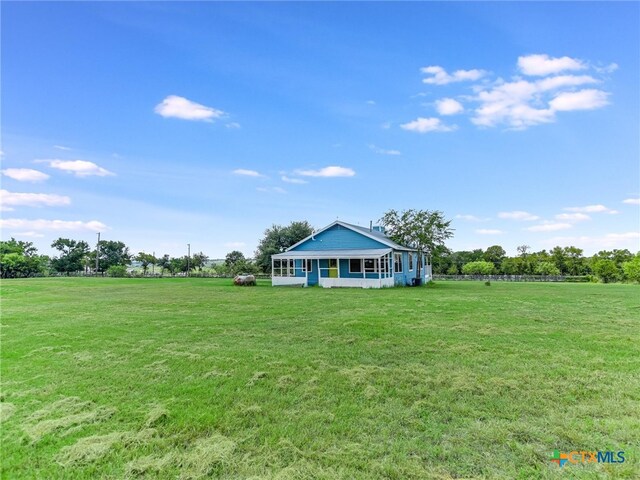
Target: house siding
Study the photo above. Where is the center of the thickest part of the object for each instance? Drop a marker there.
(339, 238)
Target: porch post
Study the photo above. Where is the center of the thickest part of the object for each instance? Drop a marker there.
(338, 262)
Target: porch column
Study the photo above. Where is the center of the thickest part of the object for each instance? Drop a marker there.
(338, 262)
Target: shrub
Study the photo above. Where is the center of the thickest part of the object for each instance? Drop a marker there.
(632, 269)
(478, 268)
(117, 271)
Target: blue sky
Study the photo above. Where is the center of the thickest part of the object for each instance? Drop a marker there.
(162, 124)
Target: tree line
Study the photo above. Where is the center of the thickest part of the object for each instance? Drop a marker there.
(424, 230)
(606, 265)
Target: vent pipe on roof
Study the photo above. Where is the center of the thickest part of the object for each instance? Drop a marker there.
(371, 225)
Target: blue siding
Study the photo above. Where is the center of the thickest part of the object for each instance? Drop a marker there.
(339, 238)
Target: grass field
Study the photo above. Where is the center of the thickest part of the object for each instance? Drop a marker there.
(195, 378)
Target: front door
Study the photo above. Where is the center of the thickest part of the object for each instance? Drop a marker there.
(312, 273)
(333, 268)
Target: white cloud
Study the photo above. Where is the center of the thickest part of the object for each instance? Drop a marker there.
(371, 102)
(518, 215)
(612, 67)
(588, 99)
(632, 201)
(510, 103)
(549, 227)
(448, 106)
(80, 168)
(439, 76)
(234, 244)
(330, 171)
(234, 125)
(561, 81)
(472, 218)
(298, 181)
(383, 151)
(180, 107)
(247, 173)
(572, 217)
(14, 199)
(54, 225)
(424, 125)
(61, 147)
(29, 234)
(25, 174)
(591, 209)
(488, 231)
(542, 64)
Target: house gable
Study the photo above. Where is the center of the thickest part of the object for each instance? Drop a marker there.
(337, 237)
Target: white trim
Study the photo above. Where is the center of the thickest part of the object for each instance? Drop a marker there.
(356, 282)
(285, 281)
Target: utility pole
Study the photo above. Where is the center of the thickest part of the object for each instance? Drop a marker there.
(188, 258)
(97, 253)
(153, 265)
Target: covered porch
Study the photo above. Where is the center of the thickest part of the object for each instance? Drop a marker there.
(372, 268)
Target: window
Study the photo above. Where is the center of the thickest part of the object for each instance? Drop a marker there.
(410, 255)
(309, 266)
(355, 265)
(277, 266)
(292, 272)
(370, 265)
(398, 261)
(385, 264)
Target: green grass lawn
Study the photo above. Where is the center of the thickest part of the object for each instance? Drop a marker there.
(193, 378)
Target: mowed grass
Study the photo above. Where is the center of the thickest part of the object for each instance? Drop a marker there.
(196, 378)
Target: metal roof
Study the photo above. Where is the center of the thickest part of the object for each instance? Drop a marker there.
(373, 234)
(367, 253)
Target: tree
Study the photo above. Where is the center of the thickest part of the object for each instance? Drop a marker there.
(233, 258)
(478, 268)
(424, 230)
(631, 269)
(20, 259)
(145, 260)
(112, 253)
(176, 265)
(606, 270)
(523, 249)
(495, 254)
(547, 268)
(277, 239)
(199, 260)
(72, 255)
(163, 263)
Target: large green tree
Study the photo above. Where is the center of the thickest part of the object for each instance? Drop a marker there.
(424, 230)
(72, 255)
(495, 254)
(145, 260)
(277, 239)
(20, 259)
(631, 268)
(112, 252)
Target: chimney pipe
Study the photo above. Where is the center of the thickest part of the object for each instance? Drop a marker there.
(370, 225)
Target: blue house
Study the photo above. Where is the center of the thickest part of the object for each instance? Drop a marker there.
(345, 255)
